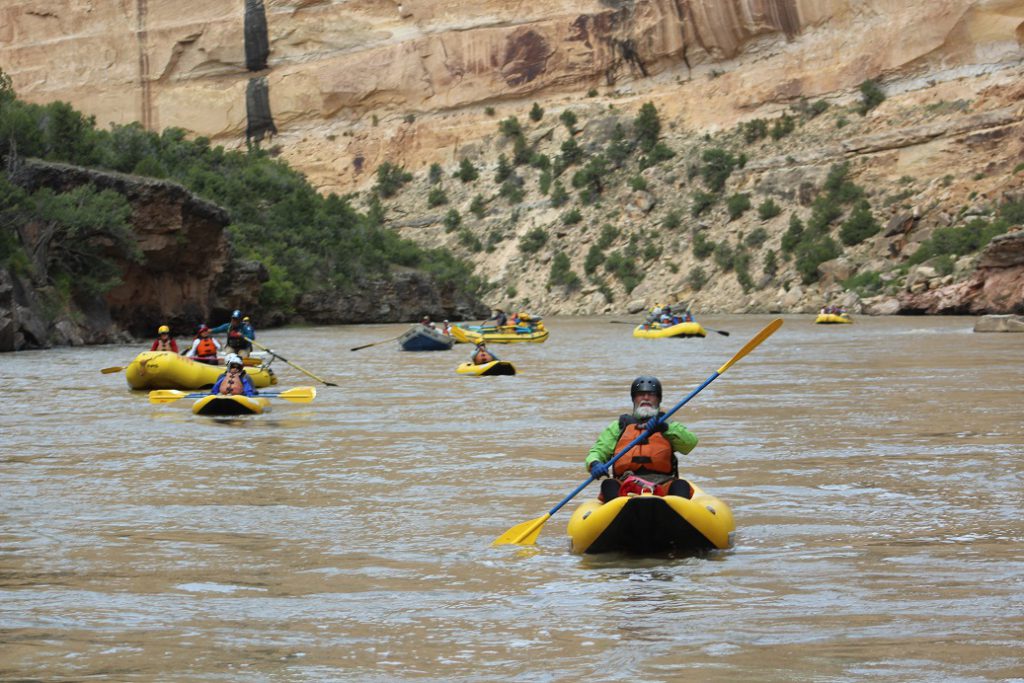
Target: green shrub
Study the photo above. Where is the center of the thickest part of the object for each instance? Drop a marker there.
(589, 179)
(793, 235)
(783, 126)
(571, 154)
(544, 181)
(609, 233)
(659, 153)
(558, 194)
(512, 189)
(467, 172)
(568, 119)
(957, 241)
(718, 166)
(489, 111)
(470, 241)
(572, 217)
(702, 201)
(536, 112)
(702, 246)
(741, 264)
(592, 92)
(859, 226)
(769, 265)
(724, 256)
(533, 241)
(637, 183)
(437, 197)
(647, 127)
(390, 179)
(865, 284)
(619, 148)
(541, 161)
(871, 96)
(754, 130)
(594, 258)
(625, 270)
(478, 207)
(503, 171)
(434, 176)
(452, 220)
(673, 219)
(812, 253)
(756, 238)
(510, 127)
(737, 205)
(562, 274)
(697, 279)
(768, 209)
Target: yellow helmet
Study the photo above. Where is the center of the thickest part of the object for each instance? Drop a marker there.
(162, 329)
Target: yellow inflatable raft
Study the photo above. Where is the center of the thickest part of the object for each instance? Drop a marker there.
(648, 524)
(507, 334)
(656, 331)
(168, 370)
(230, 405)
(495, 367)
(832, 319)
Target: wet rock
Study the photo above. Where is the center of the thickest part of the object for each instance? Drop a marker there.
(1000, 323)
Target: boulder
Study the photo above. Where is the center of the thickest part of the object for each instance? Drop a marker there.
(1000, 323)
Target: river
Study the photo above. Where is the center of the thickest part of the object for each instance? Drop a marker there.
(874, 471)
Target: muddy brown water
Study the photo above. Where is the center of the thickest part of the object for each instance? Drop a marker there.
(874, 471)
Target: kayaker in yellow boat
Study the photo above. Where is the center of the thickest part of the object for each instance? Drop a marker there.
(234, 380)
(239, 331)
(204, 347)
(481, 356)
(650, 465)
(164, 341)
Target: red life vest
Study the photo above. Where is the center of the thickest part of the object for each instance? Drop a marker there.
(653, 455)
(206, 348)
(164, 345)
(232, 384)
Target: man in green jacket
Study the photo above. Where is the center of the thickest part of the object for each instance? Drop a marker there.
(650, 464)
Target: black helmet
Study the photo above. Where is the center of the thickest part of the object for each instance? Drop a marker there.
(645, 383)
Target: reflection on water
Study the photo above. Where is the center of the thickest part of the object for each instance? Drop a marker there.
(873, 469)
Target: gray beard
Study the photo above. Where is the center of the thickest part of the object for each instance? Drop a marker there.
(645, 412)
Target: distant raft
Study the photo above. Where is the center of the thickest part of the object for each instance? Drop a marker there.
(658, 331)
(423, 338)
(648, 525)
(832, 319)
(168, 370)
(495, 367)
(220, 405)
(506, 334)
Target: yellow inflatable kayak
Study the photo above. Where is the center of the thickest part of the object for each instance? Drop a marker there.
(168, 370)
(495, 367)
(657, 331)
(230, 405)
(832, 319)
(507, 334)
(648, 524)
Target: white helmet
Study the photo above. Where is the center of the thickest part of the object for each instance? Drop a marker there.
(233, 359)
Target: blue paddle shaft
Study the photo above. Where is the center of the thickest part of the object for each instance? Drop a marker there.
(647, 433)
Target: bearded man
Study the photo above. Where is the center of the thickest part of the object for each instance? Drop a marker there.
(649, 465)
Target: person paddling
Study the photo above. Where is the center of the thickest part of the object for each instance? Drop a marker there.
(234, 381)
(648, 466)
(481, 356)
(239, 332)
(204, 347)
(164, 341)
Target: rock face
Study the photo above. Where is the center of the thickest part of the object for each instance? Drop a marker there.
(353, 84)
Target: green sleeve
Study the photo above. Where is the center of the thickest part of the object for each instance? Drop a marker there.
(681, 438)
(604, 448)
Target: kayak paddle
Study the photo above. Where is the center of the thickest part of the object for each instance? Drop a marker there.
(383, 341)
(272, 352)
(296, 395)
(527, 532)
(108, 371)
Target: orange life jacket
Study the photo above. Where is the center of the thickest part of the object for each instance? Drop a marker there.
(652, 455)
(232, 385)
(206, 348)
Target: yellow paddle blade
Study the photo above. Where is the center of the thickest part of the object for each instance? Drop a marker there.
(523, 534)
(768, 331)
(165, 395)
(116, 368)
(296, 395)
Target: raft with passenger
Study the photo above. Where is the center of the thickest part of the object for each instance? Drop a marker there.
(506, 334)
(648, 524)
(495, 367)
(660, 331)
(832, 319)
(421, 337)
(168, 370)
(221, 405)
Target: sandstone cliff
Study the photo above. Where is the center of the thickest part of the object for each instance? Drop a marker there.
(348, 85)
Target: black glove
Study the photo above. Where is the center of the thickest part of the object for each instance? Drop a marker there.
(656, 426)
(598, 469)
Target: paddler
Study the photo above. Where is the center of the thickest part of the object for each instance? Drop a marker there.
(650, 465)
(234, 381)
(164, 341)
(204, 347)
(238, 330)
(481, 356)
